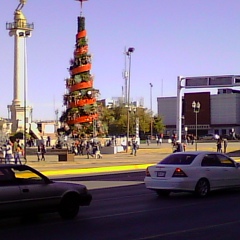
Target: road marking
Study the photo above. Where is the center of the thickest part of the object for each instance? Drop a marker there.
(188, 230)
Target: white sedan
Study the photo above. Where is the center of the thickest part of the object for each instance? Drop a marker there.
(197, 172)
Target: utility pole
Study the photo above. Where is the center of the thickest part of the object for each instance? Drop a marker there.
(151, 86)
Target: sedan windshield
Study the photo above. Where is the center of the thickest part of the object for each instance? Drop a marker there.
(19, 175)
(184, 159)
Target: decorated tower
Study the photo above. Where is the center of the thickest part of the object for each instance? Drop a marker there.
(80, 98)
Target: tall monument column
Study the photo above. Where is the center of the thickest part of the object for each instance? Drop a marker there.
(20, 29)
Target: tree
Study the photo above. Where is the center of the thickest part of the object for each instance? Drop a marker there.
(158, 125)
(106, 117)
(144, 121)
(116, 119)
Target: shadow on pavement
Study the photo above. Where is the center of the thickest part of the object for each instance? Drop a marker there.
(234, 153)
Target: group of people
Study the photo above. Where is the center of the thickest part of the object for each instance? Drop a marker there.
(12, 151)
(90, 148)
(221, 145)
(189, 139)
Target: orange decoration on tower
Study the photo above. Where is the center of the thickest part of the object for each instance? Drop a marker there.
(80, 100)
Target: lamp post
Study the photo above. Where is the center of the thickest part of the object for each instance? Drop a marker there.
(129, 54)
(151, 127)
(132, 111)
(196, 109)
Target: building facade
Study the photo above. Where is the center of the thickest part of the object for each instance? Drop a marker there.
(219, 113)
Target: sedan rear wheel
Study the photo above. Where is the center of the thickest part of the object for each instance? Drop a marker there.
(202, 188)
(163, 193)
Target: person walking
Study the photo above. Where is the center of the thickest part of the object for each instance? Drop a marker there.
(134, 146)
(43, 151)
(81, 147)
(17, 150)
(148, 140)
(219, 145)
(8, 152)
(97, 150)
(89, 149)
(38, 152)
(48, 142)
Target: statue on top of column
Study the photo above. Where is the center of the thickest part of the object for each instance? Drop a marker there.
(21, 5)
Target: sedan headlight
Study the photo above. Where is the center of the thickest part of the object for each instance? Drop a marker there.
(147, 173)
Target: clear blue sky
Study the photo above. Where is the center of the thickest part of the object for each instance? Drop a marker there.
(170, 37)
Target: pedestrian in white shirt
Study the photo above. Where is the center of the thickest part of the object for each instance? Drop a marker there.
(8, 152)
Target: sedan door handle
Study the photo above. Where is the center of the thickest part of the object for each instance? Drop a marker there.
(25, 190)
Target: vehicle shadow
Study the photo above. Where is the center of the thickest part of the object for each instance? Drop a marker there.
(223, 193)
(234, 153)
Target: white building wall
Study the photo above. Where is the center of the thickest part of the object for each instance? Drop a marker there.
(225, 108)
(167, 109)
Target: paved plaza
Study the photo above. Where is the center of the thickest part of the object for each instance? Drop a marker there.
(119, 162)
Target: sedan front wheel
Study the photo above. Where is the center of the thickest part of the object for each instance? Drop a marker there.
(69, 207)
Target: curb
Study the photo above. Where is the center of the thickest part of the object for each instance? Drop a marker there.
(96, 170)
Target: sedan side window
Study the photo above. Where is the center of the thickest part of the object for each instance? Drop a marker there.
(27, 177)
(210, 160)
(225, 161)
(6, 176)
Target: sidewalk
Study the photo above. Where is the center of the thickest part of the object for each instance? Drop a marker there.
(146, 155)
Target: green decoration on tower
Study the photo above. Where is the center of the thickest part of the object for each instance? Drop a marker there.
(81, 97)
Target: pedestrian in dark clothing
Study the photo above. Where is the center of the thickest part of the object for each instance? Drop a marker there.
(148, 140)
(82, 146)
(94, 148)
(43, 151)
(38, 152)
(178, 147)
(89, 149)
(48, 143)
(134, 146)
(219, 145)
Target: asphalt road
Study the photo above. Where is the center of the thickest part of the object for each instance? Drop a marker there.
(133, 212)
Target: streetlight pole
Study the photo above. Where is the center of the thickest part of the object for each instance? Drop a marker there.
(129, 54)
(25, 96)
(151, 86)
(196, 110)
(186, 129)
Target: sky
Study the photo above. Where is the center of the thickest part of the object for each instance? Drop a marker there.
(171, 38)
